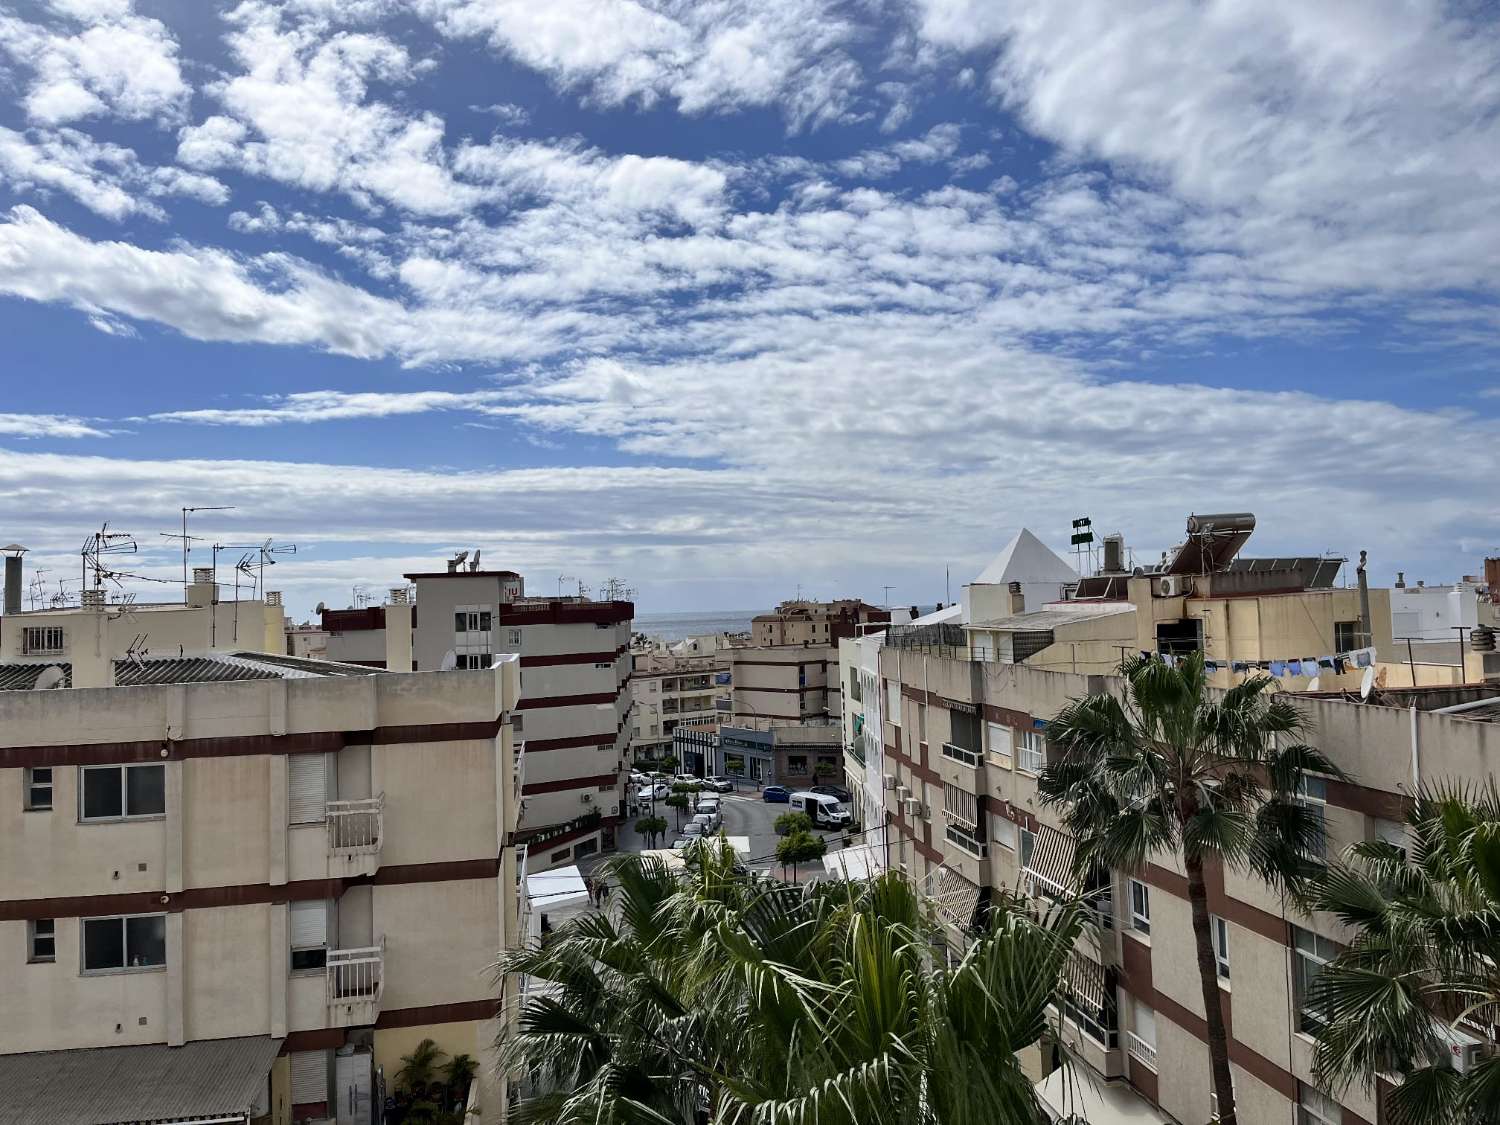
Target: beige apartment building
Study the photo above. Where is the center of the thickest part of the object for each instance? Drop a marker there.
(960, 738)
(669, 690)
(804, 622)
(243, 888)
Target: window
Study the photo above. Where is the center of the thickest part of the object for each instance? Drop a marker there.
(1346, 636)
(960, 805)
(893, 702)
(471, 619)
(307, 788)
(37, 640)
(513, 637)
(1003, 832)
(1001, 744)
(1310, 952)
(120, 792)
(41, 940)
(1140, 907)
(1031, 756)
(1392, 832)
(38, 781)
(1316, 1108)
(517, 722)
(921, 722)
(796, 763)
(1312, 792)
(115, 944)
(1220, 930)
(1028, 843)
(307, 933)
(473, 661)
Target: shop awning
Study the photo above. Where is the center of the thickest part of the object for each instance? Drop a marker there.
(1052, 859)
(207, 1080)
(863, 861)
(1076, 1093)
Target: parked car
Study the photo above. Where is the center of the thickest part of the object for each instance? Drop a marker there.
(837, 792)
(711, 821)
(776, 793)
(822, 809)
(691, 831)
(687, 779)
(660, 791)
(719, 784)
(707, 804)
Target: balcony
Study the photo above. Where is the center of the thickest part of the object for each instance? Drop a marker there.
(356, 830)
(962, 756)
(1141, 1051)
(519, 750)
(959, 838)
(356, 982)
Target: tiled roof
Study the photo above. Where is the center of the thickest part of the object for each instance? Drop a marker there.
(22, 677)
(218, 667)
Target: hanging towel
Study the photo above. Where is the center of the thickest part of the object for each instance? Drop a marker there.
(1309, 665)
(1365, 657)
(1325, 662)
(1169, 660)
(1339, 664)
(1278, 668)
(1210, 665)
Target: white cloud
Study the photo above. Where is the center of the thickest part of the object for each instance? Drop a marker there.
(47, 426)
(106, 178)
(707, 57)
(507, 113)
(331, 406)
(96, 58)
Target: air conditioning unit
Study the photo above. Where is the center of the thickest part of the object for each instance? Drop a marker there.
(903, 793)
(914, 808)
(1464, 1050)
(586, 798)
(890, 781)
(1175, 585)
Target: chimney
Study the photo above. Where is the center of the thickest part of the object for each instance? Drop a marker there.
(1017, 598)
(13, 553)
(1364, 601)
(1400, 579)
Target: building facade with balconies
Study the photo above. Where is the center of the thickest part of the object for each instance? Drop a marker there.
(669, 690)
(275, 857)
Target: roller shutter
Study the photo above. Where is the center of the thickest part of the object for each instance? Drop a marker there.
(307, 777)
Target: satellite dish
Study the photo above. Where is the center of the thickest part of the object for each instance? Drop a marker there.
(50, 677)
(1312, 684)
(450, 661)
(1367, 681)
(321, 608)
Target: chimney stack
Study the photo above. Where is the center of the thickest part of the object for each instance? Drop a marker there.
(1017, 598)
(13, 553)
(1400, 579)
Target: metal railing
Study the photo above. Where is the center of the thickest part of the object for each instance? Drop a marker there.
(1141, 1051)
(961, 839)
(519, 751)
(962, 755)
(356, 827)
(356, 976)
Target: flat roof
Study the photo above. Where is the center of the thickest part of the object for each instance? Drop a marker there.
(463, 574)
(214, 667)
(1041, 620)
(111, 1085)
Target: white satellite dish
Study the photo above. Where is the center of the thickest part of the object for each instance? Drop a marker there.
(1366, 682)
(450, 661)
(49, 677)
(1312, 684)
(319, 609)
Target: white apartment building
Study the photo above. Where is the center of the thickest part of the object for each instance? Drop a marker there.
(242, 889)
(669, 690)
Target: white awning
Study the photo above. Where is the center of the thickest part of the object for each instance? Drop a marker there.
(1086, 982)
(1052, 859)
(861, 862)
(554, 888)
(1077, 1094)
(955, 896)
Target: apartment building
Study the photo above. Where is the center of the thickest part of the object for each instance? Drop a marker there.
(241, 887)
(783, 685)
(962, 739)
(803, 622)
(575, 702)
(669, 690)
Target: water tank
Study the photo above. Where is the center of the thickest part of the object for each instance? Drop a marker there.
(1482, 639)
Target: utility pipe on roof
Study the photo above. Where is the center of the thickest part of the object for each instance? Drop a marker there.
(1472, 705)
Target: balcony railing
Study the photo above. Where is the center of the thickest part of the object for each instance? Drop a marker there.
(356, 982)
(962, 840)
(963, 756)
(519, 750)
(1141, 1051)
(356, 827)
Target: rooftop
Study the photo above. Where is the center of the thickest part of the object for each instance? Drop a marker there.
(213, 668)
(1052, 617)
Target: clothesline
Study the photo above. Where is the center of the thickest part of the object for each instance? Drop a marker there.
(1308, 666)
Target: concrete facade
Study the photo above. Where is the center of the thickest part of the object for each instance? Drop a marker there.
(668, 690)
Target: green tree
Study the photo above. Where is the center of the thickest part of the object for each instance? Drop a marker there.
(678, 801)
(419, 1068)
(824, 770)
(1427, 951)
(799, 847)
(790, 822)
(683, 787)
(717, 994)
(1213, 779)
(651, 827)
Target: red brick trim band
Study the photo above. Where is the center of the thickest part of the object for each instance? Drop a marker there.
(569, 700)
(566, 783)
(602, 741)
(550, 660)
(565, 613)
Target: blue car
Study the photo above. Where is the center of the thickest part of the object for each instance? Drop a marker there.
(776, 793)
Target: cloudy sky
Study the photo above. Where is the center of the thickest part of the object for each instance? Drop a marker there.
(724, 296)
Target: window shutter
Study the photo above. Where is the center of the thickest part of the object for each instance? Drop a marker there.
(307, 924)
(309, 1077)
(308, 788)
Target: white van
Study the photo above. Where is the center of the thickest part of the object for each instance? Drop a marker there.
(824, 811)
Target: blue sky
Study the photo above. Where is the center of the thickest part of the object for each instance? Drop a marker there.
(725, 297)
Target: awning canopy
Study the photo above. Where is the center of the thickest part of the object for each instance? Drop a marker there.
(1086, 982)
(1052, 859)
(863, 861)
(955, 896)
(208, 1079)
(1078, 1094)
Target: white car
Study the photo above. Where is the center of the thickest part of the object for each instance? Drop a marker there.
(690, 831)
(708, 804)
(711, 821)
(660, 792)
(719, 784)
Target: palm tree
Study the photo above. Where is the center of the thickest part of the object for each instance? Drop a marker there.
(1427, 954)
(1168, 767)
(651, 827)
(799, 847)
(419, 1068)
(710, 994)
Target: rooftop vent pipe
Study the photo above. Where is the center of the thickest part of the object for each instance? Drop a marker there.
(13, 553)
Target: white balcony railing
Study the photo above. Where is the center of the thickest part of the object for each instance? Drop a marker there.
(1141, 1051)
(960, 754)
(520, 755)
(356, 982)
(356, 827)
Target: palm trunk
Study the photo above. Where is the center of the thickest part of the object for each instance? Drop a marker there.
(1208, 977)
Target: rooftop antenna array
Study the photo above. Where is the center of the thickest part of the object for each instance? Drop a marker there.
(615, 590)
(96, 549)
(474, 563)
(188, 540)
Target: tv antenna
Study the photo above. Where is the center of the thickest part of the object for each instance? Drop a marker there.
(99, 546)
(188, 540)
(561, 578)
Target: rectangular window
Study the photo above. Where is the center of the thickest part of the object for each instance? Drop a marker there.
(41, 940)
(796, 763)
(1003, 832)
(38, 782)
(960, 805)
(1345, 636)
(513, 636)
(1031, 756)
(307, 788)
(460, 621)
(115, 944)
(1310, 952)
(1001, 744)
(1140, 907)
(893, 702)
(1392, 832)
(1028, 843)
(484, 620)
(121, 792)
(1316, 1108)
(1220, 930)
(39, 640)
(307, 932)
(1312, 792)
(921, 722)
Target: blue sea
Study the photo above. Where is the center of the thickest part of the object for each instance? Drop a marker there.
(676, 626)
